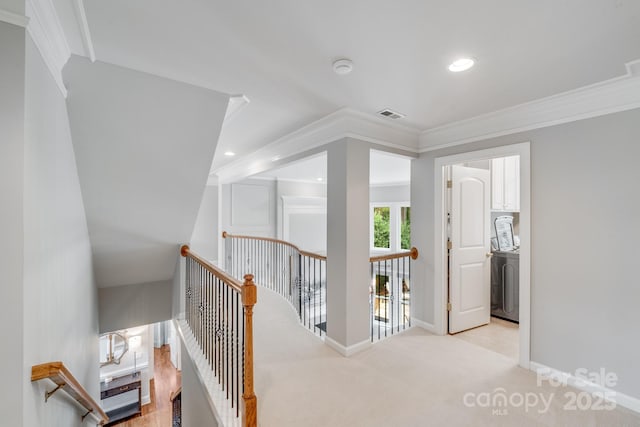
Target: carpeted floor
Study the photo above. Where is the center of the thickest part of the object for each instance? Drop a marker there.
(412, 379)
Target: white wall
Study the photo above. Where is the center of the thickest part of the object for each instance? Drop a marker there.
(286, 188)
(12, 110)
(204, 239)
(390, 193)
(585, 201)
(196, 409)
(144, 146)
(60, 296)
(260, 220)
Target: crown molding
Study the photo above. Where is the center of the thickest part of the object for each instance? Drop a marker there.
(47, 34)
(606, 97)
(83, 25)
(13, 18)
(344, 123)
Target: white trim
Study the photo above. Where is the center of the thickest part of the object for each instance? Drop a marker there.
(83, 24)
(606, 97)
(350, 350)
(440, 268)
(47, 34)
(344, 123)
(621, 399)
(14, 18)
(429, 327)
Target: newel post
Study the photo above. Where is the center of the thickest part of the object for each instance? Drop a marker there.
(250, 402)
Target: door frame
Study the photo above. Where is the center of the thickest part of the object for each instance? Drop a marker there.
(440, 238)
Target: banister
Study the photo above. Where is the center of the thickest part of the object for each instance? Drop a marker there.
(233, 283)
(175, 394)
(413, 253)
(250, 402)
(60, 375)
(269, 239)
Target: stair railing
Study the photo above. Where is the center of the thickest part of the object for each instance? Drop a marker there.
(219, 313)
(62, 378)
(296, 275)
(390, 293)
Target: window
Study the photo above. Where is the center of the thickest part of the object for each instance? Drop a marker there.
(381, 227)
(390, 226)
(405, 227)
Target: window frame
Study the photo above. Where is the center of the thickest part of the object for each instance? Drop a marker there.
(395, 226)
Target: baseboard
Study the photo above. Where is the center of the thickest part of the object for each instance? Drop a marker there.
(620, 399)
(424, 325)
(146, 399)
(350, 350)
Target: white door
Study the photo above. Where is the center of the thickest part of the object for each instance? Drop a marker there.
(470, 256)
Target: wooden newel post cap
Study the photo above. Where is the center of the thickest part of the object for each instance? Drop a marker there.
(184, 250)
(249, 291)
(414, 253)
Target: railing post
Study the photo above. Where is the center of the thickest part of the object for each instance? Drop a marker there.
(250, 402)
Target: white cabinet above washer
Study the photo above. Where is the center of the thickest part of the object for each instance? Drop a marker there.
(505, 184)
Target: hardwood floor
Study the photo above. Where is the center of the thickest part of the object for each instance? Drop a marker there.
(166, 380)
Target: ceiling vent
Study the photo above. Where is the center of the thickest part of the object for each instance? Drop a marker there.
(390, 114)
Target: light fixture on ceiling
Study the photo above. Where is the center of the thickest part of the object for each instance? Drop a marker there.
(229, 153)
(343, 66)
(461, 64)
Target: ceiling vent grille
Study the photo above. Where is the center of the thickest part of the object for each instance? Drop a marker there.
(390, 114)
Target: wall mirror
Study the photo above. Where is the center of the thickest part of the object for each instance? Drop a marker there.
(113, 346)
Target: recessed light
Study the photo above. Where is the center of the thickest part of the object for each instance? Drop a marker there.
(229, 153)
(343, 66)
(461, 64)
(319, 179)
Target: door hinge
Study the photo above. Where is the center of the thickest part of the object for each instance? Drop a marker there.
(449, 245)
(449, 184)
(448, 306)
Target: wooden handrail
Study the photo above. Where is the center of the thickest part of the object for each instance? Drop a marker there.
(268, 239)
(60, 375)
(413, 253)
(230, 281)
(175, 394)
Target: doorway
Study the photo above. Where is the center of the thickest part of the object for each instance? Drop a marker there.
(477, 307)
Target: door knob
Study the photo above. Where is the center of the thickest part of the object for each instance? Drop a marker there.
(489, 254)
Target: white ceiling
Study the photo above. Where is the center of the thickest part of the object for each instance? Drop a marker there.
(384, 169)
(279, 54)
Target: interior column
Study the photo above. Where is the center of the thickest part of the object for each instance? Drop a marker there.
(348, 276)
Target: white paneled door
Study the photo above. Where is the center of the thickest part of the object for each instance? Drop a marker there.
(470, 255)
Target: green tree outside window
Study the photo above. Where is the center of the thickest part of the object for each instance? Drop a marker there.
(381, 227)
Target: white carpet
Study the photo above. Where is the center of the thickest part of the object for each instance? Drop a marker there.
(412, 379)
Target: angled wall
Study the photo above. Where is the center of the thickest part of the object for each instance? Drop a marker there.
(144, 146)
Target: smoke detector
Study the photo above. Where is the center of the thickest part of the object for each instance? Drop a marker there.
(343, 66)
(390, 114)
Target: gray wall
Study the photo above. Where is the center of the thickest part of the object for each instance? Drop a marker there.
(127, 306)
(60, 295)
(585, 203)
(12, 110)
(196, 409)
(204, 239)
